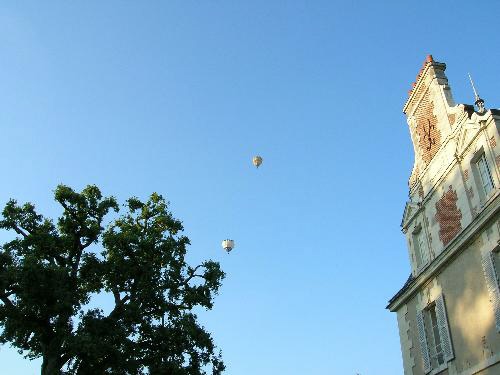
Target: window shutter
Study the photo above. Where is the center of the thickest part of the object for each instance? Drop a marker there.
(424, 349)
(490, 276)
(444, 329)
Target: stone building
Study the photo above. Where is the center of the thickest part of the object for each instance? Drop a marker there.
(448, 311)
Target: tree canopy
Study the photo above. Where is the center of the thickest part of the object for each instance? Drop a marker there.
(50, 272)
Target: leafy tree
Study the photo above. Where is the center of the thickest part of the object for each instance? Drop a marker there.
(49, 273)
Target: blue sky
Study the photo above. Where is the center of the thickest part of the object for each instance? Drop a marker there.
(177, 97)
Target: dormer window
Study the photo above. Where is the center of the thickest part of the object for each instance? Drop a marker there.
(482, 175)
(420, 247)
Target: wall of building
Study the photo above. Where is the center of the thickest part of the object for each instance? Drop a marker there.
(447, 203)
(447, 186)
(469, 310)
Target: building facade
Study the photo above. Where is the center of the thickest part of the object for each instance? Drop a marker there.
(448, 311)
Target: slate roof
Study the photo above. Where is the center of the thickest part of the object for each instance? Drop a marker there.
(402, 290)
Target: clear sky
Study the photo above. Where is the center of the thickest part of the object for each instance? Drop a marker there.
(178, 96)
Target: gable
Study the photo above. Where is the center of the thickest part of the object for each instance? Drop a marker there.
(430, 111)
(410, 210)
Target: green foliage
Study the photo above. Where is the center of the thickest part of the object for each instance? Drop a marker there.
(49, 272)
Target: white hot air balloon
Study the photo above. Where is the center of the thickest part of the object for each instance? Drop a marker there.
(228, 245)
(257, 161)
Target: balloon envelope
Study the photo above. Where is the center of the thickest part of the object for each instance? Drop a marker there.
(228, 245)
(257, 161)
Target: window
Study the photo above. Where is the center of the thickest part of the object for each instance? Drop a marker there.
(482, 175)
(436, 348)
(434, 335)
(420, 247)
(490, 261)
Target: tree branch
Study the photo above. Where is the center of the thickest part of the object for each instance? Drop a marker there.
(74, 266)
(87, 244)
(60, 260)
(65, 206)
(12, 289)
(64, 358)
(18, 230)
(119, 302)
(7, 301)
(192, 275)
(116, 294)
(78, 244)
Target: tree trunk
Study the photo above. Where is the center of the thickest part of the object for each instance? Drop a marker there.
(51, 365)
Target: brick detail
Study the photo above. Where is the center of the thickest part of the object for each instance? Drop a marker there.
(498, 161)
(449, 216)
(451, 119)
(421, 90)
(493, 142)
(466, 174)
(427, 127)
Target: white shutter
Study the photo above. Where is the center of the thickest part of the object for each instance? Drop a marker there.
(444, 329)
(490, 276)
(424, 349)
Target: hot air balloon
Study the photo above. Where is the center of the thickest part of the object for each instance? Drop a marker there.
(257, 161)
(228, 245)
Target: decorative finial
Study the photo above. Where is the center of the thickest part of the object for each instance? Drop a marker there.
(478, 101)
